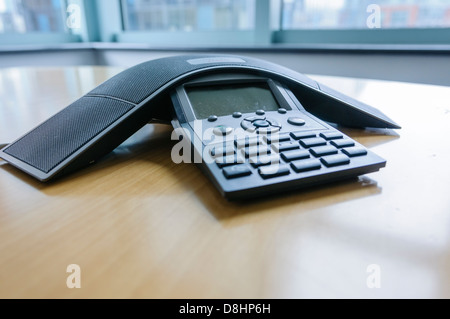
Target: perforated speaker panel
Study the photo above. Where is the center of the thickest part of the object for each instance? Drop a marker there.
(136, 83)
(56, 139)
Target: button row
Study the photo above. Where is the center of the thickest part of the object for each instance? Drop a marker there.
(269, 164)
(276, 169)
(237, 115)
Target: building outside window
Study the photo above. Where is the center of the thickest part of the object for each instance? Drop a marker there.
(24, 16)
(189, 15)
(350, 14)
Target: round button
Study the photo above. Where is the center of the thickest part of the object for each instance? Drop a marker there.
(260, 112)
(222, 130)
(212, 118)
(237, 115)
(296, 121)
(282, 111)
(261, 123)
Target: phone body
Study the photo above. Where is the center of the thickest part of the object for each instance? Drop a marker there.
(252, 137)
(94, 125)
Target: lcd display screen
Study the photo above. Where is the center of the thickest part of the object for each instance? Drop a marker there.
(224, 100)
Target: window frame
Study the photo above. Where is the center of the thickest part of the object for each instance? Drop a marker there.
(104, 20)
(413, 36)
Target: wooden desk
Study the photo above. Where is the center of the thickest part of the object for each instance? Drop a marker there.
(140, 226)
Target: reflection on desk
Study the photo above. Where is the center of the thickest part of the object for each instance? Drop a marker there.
(139, 225)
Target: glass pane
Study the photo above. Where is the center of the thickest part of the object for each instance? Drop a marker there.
(189, 15)
(363, 14)
(21, 16)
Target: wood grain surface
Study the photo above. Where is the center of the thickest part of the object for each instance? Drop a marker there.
(140, 226)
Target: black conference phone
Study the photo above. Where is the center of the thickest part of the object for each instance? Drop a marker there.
(254, 127)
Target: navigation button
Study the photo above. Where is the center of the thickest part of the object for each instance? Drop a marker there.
(254, 118)
(273, 122)
(248, 126)
(261, 123)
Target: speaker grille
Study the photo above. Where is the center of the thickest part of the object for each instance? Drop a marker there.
(138, 82)
(59, 137)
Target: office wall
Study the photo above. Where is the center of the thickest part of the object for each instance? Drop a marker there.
(15, 58)
(418, 68)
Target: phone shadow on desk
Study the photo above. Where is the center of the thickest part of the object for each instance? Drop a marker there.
(303, 199)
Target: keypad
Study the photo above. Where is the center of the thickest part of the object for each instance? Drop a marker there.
(257, 150)
(335, 160)
(323, 150)
(295, 155)
(302, 135)
(285, 154)
(311, 142)
(257, 161)
(229, 160)
(306, 165)
(282, 137)
(222, 150)
(342, 143)
(355, 151)
(331, 135)
(274, 171)
(286, 146)
(237, 171)
(248, 141)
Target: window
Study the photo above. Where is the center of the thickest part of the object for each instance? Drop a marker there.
(185, 23)
(23, 16)
(352, 14)
(188, 15)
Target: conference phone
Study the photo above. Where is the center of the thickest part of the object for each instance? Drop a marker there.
(253, 127)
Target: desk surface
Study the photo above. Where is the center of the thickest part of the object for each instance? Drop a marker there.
(140, 226)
